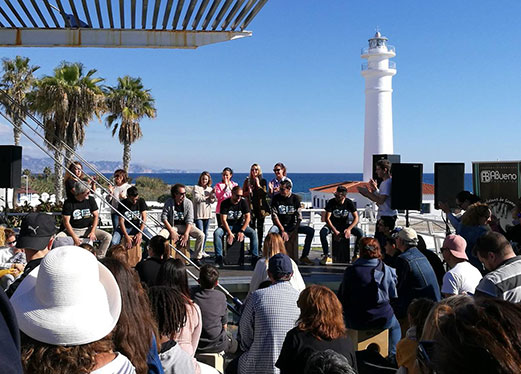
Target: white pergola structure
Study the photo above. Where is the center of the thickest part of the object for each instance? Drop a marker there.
(124, 23)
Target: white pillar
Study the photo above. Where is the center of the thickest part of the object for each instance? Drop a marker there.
(378, 72)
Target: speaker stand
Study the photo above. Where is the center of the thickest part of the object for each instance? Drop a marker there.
(447, 227)
(406, 217)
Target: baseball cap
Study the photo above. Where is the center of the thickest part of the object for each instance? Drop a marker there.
(408, 235)
(280, 264)
(36, 231)
(456, 245)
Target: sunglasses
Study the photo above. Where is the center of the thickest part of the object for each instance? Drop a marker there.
(276, 170)
(180, 194)
(11, 243)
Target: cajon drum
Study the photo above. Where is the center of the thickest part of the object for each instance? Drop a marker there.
(185, 250)
(340, 249)
(292, 245)
(134, 253)
(362, 338)
(215, 360)
(234, 253)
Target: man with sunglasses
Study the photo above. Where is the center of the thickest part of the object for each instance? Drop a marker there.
(235, 220)
(178, 218)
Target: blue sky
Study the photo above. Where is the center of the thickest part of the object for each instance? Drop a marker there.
(293, 91)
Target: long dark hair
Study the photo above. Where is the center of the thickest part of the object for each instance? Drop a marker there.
(172, 273)
(160, 247)
(169, 309)
(136, 328)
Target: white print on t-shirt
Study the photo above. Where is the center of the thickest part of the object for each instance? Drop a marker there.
(132, 215)
(234, 214)
(286, 209)
(340, 213)
(81, 213)
(179, 216)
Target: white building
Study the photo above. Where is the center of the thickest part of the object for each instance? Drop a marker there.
(378, 72)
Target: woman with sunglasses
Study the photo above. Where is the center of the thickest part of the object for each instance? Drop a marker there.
(280, 175)
(255, 191)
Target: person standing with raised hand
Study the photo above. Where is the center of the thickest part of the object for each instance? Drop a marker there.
(223, 191)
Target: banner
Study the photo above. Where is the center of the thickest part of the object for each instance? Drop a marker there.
(498, 185)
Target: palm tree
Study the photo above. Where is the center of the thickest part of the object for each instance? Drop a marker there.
(67, 101)
(17, 80)
(127, 104)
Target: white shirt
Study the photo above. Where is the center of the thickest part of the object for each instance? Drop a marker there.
(120, 365)
(461, 279)
(385, 208)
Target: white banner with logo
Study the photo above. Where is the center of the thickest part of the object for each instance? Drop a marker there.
(498, 185)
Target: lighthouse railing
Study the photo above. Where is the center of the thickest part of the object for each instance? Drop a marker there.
(367, 50)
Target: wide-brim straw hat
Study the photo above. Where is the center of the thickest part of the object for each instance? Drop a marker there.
(69, 299)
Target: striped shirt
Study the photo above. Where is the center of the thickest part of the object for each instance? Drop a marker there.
(268, 315)
(504, 282)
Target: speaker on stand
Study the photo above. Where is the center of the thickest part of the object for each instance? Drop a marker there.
(449, 180)
(10, 169)
(406, 188)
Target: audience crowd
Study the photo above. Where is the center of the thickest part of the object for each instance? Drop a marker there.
(77, 300)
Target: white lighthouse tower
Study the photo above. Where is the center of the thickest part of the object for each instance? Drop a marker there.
(378, 72)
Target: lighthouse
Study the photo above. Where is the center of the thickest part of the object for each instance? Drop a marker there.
(378, 72)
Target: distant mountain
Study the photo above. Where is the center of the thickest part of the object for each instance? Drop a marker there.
(36, 165)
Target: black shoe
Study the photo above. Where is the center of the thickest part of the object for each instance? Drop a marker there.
(197, 262)
(219, 262)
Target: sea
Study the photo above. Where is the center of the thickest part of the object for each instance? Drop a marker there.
(302, 182)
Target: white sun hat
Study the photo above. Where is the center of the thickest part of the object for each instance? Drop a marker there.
(70, 299)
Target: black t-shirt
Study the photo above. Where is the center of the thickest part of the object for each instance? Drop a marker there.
(148, 270)
(80, 211)
(234, 212)
(340, 212)
(133, 213)
(287, 210)
(299, 345)
(179, 214)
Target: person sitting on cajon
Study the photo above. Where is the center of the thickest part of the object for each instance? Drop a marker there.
(235, 220)
(132, 209)
(337, 221)
(286, 216)
(178, 218)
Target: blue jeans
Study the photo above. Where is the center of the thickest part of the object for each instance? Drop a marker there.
(203, 224)
(118, 234)
(306, 230)
(395, 334)
(115, 220)
(218, 235)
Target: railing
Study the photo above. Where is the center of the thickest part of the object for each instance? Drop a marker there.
(368, 51)
(365, 66)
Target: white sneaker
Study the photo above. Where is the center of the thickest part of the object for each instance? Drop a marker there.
(205, 255)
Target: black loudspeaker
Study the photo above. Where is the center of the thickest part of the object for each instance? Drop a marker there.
(393, 159)
(10, 166)
(449, 180)
(406, 188)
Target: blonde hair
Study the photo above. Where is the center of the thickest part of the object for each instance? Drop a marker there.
(273, 244)
(475, 213)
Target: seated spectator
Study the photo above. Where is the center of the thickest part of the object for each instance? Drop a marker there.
(85, 307)
(319, 327)
(504, 279)
(136, 332)
(287, 216)
(385, 228)
(235, 220)
(133, 216)
(119, 252)
(118, 192)
(80, 217)
(168, 308)
(433, 259)
(158, 252)
(366, 292)
(273, 245)
(391, 252)
(268, 315)
(463, 200)
(214, 312)
(416, 278)
(406, 348)
(328, 362)
(35, 238)
(11, 258)
(462, 278)
(88, 247)
(178, 218)
(173, 274)
(10, 338)
(480, 335)
(474, 224)
(513, 232)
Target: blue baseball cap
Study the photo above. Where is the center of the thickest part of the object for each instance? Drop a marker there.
(280, 264)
